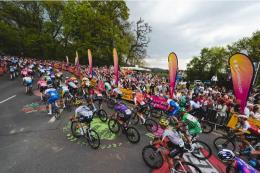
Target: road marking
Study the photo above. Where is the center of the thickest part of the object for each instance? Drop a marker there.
(8, 99)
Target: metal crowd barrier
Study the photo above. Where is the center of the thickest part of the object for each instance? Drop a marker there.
(217, 118)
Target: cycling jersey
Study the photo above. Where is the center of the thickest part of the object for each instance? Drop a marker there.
(11, 69)
(175, 107)
(194, 127)
(139, 99)
(183, 101)
(72, 85)
(173, 136)
(27, 80)
(108, 86)
(64, 89)
(53, 95)
(251, 128)
(84, 112)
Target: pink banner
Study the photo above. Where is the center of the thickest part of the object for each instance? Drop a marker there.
(159, 102)
(89, 63)
(173, 66)
(242, 72)
(116, 73)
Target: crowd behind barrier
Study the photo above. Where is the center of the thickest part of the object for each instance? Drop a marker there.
(217, 101)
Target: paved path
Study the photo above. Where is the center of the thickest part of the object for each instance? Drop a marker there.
(29, 142)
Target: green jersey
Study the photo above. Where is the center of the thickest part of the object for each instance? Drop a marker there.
(194, 127)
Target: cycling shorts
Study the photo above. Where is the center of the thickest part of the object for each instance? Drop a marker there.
(53, 99)
(28, 83)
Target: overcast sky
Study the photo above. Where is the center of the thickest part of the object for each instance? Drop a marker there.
(187, 26)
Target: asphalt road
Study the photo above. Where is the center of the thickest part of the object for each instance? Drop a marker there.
(30, 142)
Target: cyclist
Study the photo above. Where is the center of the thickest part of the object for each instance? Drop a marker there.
(173, 109)
(108, 88)
(43, 87)
(247, 129)
(85, 114)
(85, 84)
(172, 138)
(238, 164)
(64, 92)
(140, 104)
(193, 125)
(27, 80)
(53, 96)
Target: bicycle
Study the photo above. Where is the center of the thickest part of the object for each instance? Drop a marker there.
(80, 127)
(100, 112)
(238, 165)
(116, 123)
(150, 124)
(153, 156)
(229, 141)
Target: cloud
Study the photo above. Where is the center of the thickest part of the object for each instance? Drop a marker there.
(186, 26)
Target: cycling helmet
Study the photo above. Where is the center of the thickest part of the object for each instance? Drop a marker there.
(182, 109)
(164, 122)
(226, 155)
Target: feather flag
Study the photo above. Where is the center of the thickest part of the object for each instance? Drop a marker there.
(116, 73)
(89, 62)
(173, 66)
(242, 72)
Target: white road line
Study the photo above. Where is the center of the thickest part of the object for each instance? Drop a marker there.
(8, 99)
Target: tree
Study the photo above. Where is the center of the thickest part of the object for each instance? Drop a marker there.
(54, 29)
(140, 41)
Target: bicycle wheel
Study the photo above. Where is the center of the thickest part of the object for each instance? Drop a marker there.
(135, 119)
(186, 167)
(75, 129)
(133, 135)
(93, 139)
(206, 127)
(102, 115)
(152, 157)
(113, 126)
(110, 103)
(151, 125)
(202, 151)
(224, 142)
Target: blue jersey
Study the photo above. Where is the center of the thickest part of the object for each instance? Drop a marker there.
(175, 106)
(52, 92)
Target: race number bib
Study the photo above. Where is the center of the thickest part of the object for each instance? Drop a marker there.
(191, 118)
(128, 112)
(87, 114)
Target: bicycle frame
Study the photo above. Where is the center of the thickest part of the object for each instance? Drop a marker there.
(160, 148)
